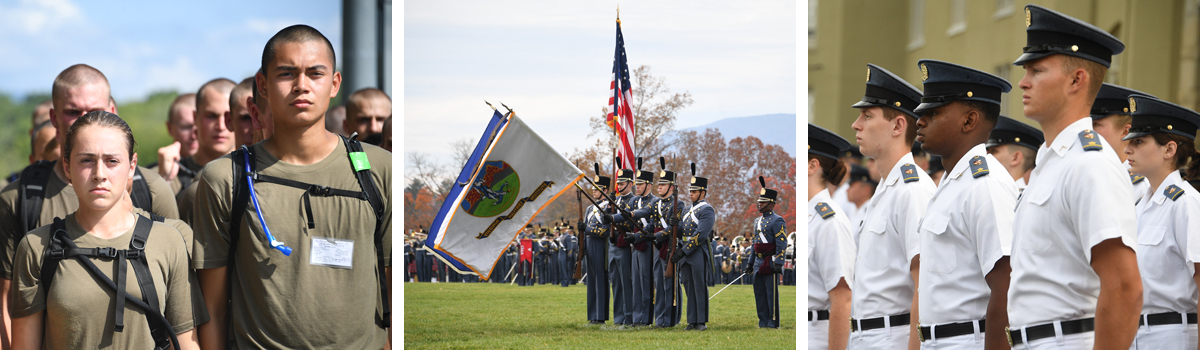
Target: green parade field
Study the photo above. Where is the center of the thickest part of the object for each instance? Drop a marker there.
(502, 316)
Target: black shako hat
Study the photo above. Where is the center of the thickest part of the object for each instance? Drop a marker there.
(1048, 32)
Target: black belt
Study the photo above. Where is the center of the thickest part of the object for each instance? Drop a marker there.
(1047, 330)
(875, 323)
(1166, 318)
(950, 330)
(821, 315)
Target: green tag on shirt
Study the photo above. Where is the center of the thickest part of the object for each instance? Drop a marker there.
(359, 160)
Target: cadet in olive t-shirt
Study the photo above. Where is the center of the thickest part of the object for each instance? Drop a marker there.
(79, 309)
(326, 294)
(61, 200)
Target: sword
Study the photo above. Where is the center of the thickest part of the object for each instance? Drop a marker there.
(510, 271)
(727, 286)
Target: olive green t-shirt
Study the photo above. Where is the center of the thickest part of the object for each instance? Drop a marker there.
(186, 200)
(60, 200)
(199, 309)
(293, 302)
(79, 308)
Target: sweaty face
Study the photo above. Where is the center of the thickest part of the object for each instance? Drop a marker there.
(299, 82)
(1045, 85)
(75, 103)
(214, 137)
(183, 130)
(938, 128)
(1147, 157)
(870, 129)
(368, 117)
(99, 167)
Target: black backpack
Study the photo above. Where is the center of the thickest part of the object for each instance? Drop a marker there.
(369, 193)
(32, 192)
(60, 248)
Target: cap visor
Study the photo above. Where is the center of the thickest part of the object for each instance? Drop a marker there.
(1100, 116)
(927, 106)
(864, 104)
(1031, 56)
(1135, 134)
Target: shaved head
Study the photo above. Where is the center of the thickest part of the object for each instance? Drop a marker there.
(238, 119)
(41, 113)
(218, 86)
(184, 104)
(366, 110)
(295, 34)
(212, 135)
(76, 76)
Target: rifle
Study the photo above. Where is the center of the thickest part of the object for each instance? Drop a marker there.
(672, 238)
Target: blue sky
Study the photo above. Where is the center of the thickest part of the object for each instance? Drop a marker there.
(146, 46)
(551, 61)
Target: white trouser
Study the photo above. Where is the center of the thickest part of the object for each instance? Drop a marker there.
(887, 338)
(818, 334)
(965, 341)
(1167, 336)
(1071, 341)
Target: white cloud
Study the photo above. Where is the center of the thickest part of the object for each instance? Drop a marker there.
(38, 17)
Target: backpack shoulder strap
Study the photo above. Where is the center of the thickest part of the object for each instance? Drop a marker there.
(362, 170)
(52, 253)
(241, 194)
(141, 191)
(32, 192)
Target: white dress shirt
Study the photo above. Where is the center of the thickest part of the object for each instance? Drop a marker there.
(830, 251)
(1075, 200)
(888, 241)
(1164, 260)
(967, 228)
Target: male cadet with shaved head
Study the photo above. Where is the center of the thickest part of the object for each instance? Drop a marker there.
(309, 270)
(1075, 279)
(213, 136)
(1015, 145)
(1111, 119)
(238, 119)
(44, 192)
(966, 235)
(366, 110)
(885, 279)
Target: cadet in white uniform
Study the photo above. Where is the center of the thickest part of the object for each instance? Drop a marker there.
(1111, 120)
(1015, 145)
(831, 249)
(1079, 202)
(1162, 138)
(884, 275)
(966, 235)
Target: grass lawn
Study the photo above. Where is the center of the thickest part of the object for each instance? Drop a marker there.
(502, 316)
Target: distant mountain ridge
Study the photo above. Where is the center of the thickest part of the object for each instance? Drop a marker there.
(776, 129)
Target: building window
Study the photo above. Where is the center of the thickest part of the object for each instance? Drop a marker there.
(958, 17)
(1004, 8)
(1004, 71)
(916, 24)
(812, 24)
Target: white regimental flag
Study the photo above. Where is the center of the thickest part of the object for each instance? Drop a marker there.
(504, 189)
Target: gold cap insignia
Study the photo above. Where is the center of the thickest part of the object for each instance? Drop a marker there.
(969, 94)
(763, 192)
(693, 180)
(662, 173)
(1168, 127)
(897, 103)
(1028, 18)
(1016, 139)
(1132, 105)
(924, 73)
(1126, 109)
(597, 178)
(868, 74)
(1074, 48)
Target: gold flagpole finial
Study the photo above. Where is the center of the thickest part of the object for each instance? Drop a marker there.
(506, 107)
(490, 105)
(618, 13)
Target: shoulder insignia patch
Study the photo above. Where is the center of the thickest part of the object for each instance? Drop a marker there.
(908, 172)
(824, 210)
(1135, 178)
(1173, 192)
(1090, 141)
(979, 167)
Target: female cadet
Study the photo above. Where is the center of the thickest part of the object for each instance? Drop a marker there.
(71, 303)
(831, 249)
(1162, 138)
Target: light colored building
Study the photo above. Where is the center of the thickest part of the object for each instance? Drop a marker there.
(1161, 46)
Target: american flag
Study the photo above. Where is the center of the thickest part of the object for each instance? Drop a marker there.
(620, 117)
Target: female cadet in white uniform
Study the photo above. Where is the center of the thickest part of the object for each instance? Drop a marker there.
(1161, 140)
(831, 249)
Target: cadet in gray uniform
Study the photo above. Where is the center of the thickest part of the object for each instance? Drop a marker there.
(596, 234)
(620, 259)
(643, 252)
(769, 244)
(657, 216)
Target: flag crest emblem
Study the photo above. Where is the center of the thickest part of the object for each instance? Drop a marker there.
(494, 190)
